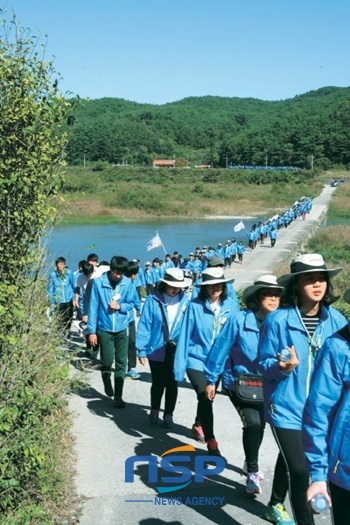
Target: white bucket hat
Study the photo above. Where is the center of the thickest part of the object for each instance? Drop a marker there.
(175, 277)
(213, 276)
(264, 281)
(307, 263)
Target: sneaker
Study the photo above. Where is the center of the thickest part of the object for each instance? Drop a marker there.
(168, 421)
(245, 472)
(198, 434)
(154, 417)
(213, 448)
(278, 514)
(253, 485)
(132, 374)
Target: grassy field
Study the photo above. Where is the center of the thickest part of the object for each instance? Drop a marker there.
(108, 194)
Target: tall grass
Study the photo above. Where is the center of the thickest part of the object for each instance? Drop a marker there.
(145, 192)
(34, 420)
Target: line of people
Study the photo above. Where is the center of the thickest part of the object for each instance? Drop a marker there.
(206, 337)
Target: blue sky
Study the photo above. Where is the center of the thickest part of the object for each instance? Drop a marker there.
(159, 51)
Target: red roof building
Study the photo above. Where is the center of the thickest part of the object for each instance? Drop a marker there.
(164, 163)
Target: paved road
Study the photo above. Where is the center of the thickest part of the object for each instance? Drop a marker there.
(105, 437)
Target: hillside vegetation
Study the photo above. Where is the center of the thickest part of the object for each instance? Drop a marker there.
(110, 194)
(310, 130)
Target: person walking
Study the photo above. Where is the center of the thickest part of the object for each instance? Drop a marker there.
(273, 236)
(112, 297)
(60, 291)
(240, 252)
(80, 291)
(326, 425)
(235, 352)
(157, 334)
(131, 372)
(148, 276)
(298, 329)
(204, 318)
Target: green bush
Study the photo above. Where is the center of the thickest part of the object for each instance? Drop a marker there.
(34, 421)
(33, 371)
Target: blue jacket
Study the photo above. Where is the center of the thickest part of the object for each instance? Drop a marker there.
(150, 336)
(200, 329)
(60, 287)
(100, 315)
(326, 421)
(235, 350)
(140, 278)
(80, 289)
(273, 234)
(137, 305)
(285, 394)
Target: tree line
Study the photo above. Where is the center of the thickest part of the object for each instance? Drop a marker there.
(309, 130)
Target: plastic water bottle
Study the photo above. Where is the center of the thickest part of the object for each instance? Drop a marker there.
(319, 503)
(285, 355)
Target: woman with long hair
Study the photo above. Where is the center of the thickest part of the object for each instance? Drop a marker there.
(299, 330)
(326, 426)
(236, 352)
(205, 316)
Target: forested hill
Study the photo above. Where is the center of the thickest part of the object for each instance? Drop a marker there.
(313, 127)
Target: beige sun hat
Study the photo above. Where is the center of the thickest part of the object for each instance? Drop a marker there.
(264, 281)
(175, 277)
(307, 263)
(214, 276)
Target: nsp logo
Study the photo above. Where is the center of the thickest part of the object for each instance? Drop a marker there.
(174, 463)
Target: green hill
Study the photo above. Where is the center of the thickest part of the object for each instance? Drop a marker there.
(313, 127)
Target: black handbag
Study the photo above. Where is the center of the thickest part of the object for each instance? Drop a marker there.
(249, 388)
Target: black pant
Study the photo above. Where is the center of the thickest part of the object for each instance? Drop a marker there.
(149, 289)
(204, 416)
(291, 472)
(340, 504)
(163, 379)
(65, 316)
(131, 346)
(252, 417)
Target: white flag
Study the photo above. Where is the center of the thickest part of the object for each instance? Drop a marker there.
(155, 242)
(240, 226)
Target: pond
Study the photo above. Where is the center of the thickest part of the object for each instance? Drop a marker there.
(130, 239)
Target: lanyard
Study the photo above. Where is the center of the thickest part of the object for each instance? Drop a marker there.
(314, 342)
